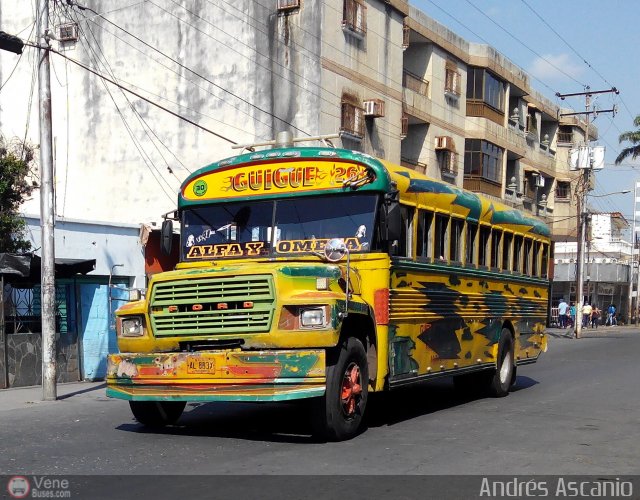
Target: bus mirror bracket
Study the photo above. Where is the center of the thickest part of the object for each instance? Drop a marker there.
(334, 251)
(166, 237)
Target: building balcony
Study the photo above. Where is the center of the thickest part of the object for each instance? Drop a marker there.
(482, 185)
(483, 110)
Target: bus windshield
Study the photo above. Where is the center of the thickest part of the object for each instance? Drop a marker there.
(281, 227)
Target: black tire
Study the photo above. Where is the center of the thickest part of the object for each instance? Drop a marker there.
(494, 382)
(503, 376)
(157, 413)
(337, 418)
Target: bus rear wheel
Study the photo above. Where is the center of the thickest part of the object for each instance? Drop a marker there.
(497, 381)
(157, 413)
(338, 415)
(503, 376)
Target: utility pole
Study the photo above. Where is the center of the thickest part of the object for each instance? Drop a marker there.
(48, 286)
(581, 202)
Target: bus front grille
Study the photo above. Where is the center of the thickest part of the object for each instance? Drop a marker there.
(206, 306)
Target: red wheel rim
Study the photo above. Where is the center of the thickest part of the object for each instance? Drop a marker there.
(351, 389)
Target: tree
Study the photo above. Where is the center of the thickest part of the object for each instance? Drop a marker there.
(16, 159)
(634, 138)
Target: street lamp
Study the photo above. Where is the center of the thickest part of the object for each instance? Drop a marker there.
(582, 236)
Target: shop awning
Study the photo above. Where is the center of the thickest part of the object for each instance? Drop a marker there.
(27, 266)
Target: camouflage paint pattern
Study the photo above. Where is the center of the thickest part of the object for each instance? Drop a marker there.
(444, 320)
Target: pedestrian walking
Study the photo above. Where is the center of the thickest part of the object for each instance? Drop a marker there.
(611, 316)
(562, 313)
(586, 314)
(595, 317)
(572, 314)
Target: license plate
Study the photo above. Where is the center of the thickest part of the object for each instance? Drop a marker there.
(199, 365)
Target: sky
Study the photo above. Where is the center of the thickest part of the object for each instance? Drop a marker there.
(604, 33)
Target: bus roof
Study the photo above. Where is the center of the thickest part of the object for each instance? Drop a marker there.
(304, 171)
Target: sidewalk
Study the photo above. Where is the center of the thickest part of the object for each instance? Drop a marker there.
(23, 397)
(601, 331)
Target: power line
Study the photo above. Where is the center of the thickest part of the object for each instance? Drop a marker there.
(584, 60)
(524, 44)
(193, 71)
(98, 74)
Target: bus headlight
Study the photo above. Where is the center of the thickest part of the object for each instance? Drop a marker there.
(313, 318)
(132, 326)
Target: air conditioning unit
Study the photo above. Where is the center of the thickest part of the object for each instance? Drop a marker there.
(68, 32)
(374, 108)
(287, 5)
(445, 142)
(540, 181)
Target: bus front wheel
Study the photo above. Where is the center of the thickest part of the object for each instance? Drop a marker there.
(339, 413)
(157, 413)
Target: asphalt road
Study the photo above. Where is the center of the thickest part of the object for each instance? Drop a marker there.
(577, 411)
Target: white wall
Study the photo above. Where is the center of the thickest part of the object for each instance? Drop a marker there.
(106, 243)
(243, 49)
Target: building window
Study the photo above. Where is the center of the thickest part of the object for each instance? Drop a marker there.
(563, 190)
(354, 17)
(406, 34)
(352, 117)
(451, 79)
(483, 159)
(447, 161)
(288, 5)
(483, 86)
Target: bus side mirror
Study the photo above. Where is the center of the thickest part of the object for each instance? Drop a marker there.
(166, 237)
(394, 226)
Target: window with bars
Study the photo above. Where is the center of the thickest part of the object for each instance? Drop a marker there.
(447, 161)
(406, 34)
(563, 190)
(354, 17)
(352, 118)
(452, 79)
(288, 5)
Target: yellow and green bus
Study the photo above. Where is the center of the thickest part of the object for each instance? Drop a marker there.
(326, 274)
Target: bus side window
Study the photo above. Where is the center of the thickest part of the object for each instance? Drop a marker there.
(423, 243)
(506, 251)
(455, 240)
(403, 248)
(517, 253)
(545, 260)
(470, 243)
(528, 244)
(496, 235)
(536, 258)
(441, 230)
(483, 246)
